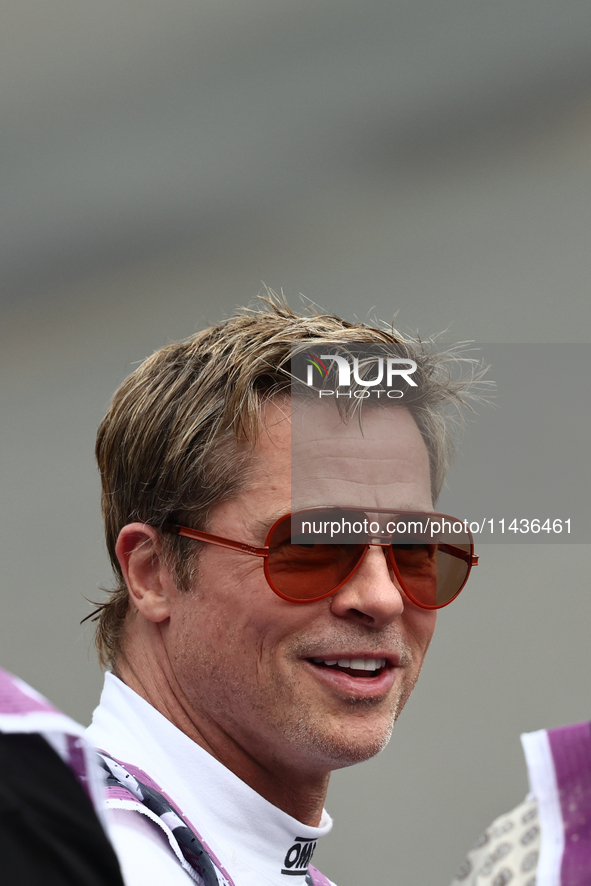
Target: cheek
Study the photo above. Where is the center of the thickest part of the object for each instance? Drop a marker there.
(216, 633)
(223, 595)
(420, 624)
(231, 622)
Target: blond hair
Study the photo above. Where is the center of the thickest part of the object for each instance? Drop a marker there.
(177, 436)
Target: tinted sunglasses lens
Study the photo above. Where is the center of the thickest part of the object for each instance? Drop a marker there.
(452, 570)
(432, 574)
(304, 563)
(301, 568)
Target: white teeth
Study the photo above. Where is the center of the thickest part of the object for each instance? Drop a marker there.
(368, 664)
(357, 664)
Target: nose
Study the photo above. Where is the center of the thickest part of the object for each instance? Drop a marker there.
(372, 595)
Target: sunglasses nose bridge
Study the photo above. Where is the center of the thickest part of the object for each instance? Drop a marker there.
(380, 540)
(388, 556)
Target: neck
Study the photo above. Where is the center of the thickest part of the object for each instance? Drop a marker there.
(298, 793)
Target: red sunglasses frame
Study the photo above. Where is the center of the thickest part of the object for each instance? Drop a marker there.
(468, 557)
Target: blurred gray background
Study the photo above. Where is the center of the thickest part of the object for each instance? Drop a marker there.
(159, 161)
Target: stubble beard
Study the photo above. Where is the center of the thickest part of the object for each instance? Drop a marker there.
(339, 747)
(295, 725)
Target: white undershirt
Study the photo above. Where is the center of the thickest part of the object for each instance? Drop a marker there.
(250, 837)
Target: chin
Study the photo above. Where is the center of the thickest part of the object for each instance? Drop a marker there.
(347, 744)
(342, 754)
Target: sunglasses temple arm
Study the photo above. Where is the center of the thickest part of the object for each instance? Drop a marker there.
(472, 559)
(198, 535)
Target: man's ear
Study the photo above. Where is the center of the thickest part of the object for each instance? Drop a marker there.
(139, 552)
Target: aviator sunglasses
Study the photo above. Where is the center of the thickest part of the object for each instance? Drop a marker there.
(310, 554)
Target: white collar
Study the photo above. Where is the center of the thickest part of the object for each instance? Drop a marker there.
(251, 837)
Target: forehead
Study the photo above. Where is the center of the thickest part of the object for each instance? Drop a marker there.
(316, 458)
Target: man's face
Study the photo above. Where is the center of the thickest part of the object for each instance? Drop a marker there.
(253, 667)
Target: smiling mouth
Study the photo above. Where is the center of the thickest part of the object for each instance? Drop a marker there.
(355, 667)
